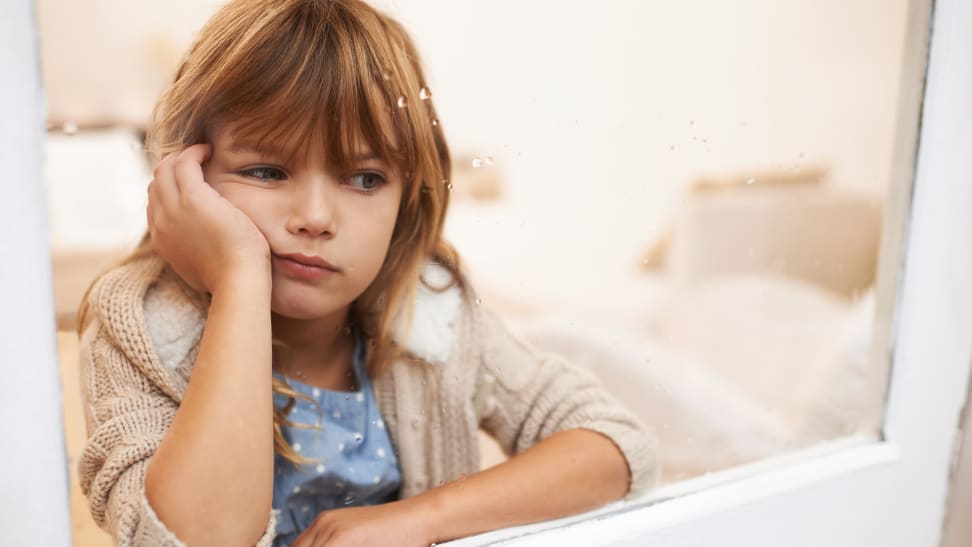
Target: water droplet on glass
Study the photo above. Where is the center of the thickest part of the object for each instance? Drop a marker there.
(402, 101)
(424, 94)
(358, 437)
(297, 447)
(435, 123)
(751, 180)
(380, 452)
(69, 127)
(477, 163)
(489, 160)
(320, 468)
(348, 500)
(479, 300)
(449, 186)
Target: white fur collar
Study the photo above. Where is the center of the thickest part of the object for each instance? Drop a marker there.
(435, 318)
(175, 325)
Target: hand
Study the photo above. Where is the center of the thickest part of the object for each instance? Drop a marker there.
(198, 232)
(395, 524)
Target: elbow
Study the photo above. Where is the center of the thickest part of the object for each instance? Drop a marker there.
(194, 519)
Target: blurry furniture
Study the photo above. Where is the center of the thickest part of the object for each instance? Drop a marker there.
(786, 223)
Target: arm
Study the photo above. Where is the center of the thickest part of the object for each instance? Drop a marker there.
(129, 407)
(569, 472)
(211, 479)
(575, 447)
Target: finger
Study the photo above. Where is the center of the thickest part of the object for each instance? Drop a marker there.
(188, 166)
(150, 204)
(311, 537)
(164, 186)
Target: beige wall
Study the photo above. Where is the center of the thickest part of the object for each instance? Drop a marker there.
(597, 115)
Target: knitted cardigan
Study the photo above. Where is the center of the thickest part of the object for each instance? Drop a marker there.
(466, 372)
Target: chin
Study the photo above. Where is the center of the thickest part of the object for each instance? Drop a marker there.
(300, 305)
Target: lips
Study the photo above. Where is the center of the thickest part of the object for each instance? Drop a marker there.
(308, 260)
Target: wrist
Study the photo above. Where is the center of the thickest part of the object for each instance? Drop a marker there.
(250, 275)
(432, 516)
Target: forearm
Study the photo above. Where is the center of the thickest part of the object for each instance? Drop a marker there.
(211, 480)
(568, 473)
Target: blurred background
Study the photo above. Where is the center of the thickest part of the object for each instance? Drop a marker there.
(688, 197)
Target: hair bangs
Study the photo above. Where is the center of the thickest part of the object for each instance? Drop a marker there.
(309, 80)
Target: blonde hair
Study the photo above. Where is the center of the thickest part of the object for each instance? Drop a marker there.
(279, 68)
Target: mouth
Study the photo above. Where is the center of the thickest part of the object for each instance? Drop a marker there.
(304, 266)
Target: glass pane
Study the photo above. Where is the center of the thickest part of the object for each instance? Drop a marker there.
(690, 198)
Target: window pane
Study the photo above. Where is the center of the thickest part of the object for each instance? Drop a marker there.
(690, 198)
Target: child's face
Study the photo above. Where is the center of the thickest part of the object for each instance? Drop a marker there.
(305, 208)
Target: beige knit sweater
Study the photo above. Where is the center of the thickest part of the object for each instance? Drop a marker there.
(137, 355)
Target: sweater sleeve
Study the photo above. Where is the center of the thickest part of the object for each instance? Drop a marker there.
(531, 396)
(126, 417)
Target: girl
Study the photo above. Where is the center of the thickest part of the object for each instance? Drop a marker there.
(293, 355)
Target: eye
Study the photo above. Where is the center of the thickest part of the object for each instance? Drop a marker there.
(367, 180)
(264, 172)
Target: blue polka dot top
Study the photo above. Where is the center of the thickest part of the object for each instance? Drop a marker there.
(354, 463)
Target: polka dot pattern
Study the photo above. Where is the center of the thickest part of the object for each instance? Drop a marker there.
(353, 462)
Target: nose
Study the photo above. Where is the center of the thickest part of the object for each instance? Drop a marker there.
(312, 209)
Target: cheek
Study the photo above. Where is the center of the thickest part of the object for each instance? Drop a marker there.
(376, 229)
